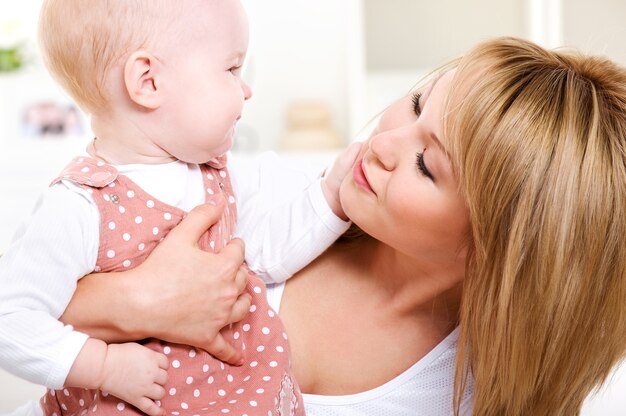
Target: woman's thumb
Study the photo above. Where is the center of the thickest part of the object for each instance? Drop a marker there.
(199, 219)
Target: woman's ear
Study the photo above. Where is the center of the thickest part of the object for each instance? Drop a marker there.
(141, 78)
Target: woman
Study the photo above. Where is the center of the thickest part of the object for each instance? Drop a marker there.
(493, 272)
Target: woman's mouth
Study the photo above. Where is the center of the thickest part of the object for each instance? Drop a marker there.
(359, 176)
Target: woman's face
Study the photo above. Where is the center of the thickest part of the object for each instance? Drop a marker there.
(402, 189)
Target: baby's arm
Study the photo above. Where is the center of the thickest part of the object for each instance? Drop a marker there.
(38, 275)
(287, 217)
(129, 371)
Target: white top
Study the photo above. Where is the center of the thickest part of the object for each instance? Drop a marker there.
(424, 389)
(283, 218)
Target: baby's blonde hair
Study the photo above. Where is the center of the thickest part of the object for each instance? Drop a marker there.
(82, 40)
(538, 139)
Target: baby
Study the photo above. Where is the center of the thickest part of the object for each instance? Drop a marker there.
(162, 83)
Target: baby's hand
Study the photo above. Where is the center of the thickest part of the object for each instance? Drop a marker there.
(335, 175)
(135, 374)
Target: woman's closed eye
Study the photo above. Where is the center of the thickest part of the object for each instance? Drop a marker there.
(421, 165)
(417, 108)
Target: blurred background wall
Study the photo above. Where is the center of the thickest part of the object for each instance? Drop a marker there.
(326, 67)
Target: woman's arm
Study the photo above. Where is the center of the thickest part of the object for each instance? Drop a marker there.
(180, 294)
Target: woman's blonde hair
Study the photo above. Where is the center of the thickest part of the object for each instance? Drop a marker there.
(82, 40)
(538, 139)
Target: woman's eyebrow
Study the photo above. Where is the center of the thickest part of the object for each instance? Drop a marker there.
(440, 145)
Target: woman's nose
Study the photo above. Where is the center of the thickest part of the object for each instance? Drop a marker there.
(384, 146)
(247, 91)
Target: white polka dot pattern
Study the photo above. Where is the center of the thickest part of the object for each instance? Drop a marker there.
(198, 383)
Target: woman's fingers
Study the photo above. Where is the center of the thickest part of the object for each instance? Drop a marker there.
(241, 307)
(199, 219)
(241, 278)
(234, 251)
(224, 351)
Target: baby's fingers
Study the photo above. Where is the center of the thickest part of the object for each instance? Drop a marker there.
(161, 378)
(346, 159)
(157, 392)
(149, 407)
(162, 361)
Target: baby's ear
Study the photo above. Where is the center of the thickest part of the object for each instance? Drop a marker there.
(141, 78)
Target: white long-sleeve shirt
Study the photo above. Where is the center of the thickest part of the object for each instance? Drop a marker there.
(283, 218)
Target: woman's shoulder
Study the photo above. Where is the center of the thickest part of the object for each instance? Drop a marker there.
(425, 388)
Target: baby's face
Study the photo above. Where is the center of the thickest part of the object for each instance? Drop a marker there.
(205, 92)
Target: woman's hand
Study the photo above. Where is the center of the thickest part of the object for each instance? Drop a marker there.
(180, 294)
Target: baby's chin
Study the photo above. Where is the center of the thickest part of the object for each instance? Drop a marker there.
(224, 147)
(200, 158)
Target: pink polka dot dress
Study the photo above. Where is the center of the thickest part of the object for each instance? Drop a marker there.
(132, 224)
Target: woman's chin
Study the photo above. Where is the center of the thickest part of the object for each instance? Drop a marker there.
(352, 211)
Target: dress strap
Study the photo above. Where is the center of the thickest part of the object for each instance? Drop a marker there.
(84, 170)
